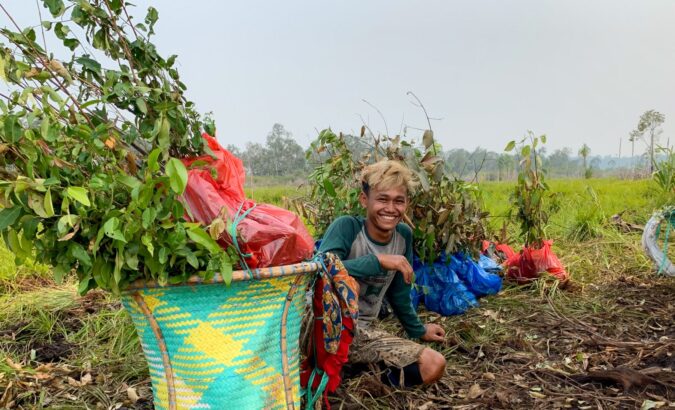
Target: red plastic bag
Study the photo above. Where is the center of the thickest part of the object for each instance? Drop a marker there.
(529, 263)
(272, 236)
(500, 251)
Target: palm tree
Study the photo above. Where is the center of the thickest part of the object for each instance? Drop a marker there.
(584, 152)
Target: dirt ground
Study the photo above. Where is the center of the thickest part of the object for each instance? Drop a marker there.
(539, 357)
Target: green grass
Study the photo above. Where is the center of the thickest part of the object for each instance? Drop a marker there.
(640, 198)
(274, 195)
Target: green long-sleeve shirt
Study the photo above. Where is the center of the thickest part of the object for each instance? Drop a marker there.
(348, 238)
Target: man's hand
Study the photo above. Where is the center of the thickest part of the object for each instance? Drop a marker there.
(434, 333)
(397, 263)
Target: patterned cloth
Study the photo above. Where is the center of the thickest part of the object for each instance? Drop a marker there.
(340, 299)
(377, 346)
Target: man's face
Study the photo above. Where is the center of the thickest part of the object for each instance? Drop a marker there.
(384, 209)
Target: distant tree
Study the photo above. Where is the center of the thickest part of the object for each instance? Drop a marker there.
(504, 166)
(255, 159)
(650, 122)
(235, 151)
(595, 163)
(457, 161)
(283, 152)
(559, 161)
(584, 152)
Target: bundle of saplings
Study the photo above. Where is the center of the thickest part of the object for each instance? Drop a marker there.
(444, 212)
(94, 124)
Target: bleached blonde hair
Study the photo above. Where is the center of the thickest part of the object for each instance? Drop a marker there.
(387, 174)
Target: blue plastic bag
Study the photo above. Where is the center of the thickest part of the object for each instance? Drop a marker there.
(477, 280)
(422, 283)
(442, 290)
(489, 265)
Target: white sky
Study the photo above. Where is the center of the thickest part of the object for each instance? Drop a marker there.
(578, 71)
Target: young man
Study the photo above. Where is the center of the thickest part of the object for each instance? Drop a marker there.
(377, 251)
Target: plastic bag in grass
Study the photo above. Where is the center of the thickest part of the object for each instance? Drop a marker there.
(527, 265)
(489, 265)
(476, 279)
(444, 292)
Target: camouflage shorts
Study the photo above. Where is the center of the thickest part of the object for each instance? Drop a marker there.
(374, 346)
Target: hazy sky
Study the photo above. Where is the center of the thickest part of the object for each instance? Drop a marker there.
(578, 71)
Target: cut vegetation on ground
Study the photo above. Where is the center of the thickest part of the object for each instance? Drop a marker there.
(606, 340)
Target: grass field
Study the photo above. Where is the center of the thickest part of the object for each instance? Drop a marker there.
(536, 346)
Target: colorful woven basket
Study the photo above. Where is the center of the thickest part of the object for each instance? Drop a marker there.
(212, 346)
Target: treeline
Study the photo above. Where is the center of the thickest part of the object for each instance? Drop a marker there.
(282, 156)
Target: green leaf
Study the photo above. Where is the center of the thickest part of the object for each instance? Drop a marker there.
(36, 203)
(543, 139)
(192, 260)
(226, 271)
(510, 146)
(131, 259)
(128, 180)
(102, 272)
(163, 133)
(89, 64)
(525, 152)
(149, 216)
(153, 165)
(44, 128)
(147, 241)
(83, 287)
(72, 44)
(163, 255)
(78, 252)
(48, 204)
(111, 229)
(177, 174)
(330, 189)
(13, 242)
(56, 7)
(140, 103)
(79, 194)
(151, 18)
(3, 64)
(13, 129)
(202, 238)
(60, 272)
(30, 226)
(8, 216)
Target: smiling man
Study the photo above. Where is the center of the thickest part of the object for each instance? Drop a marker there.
(377, 251)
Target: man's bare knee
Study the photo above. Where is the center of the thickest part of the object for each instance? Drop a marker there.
(432, 366)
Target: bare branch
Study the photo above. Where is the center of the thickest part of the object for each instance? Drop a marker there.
(42, 28)
(386, 128)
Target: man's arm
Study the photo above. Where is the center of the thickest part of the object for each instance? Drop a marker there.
(399, 293)
(339, 238)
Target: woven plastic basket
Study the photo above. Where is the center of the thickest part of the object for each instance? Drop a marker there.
(212, 346)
